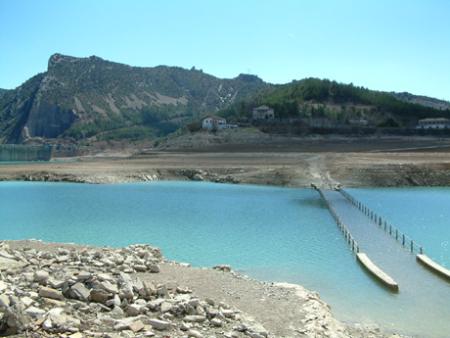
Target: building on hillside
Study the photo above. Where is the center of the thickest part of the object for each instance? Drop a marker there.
(263, 113)
(434, 123)
(214, 123)
(358, 122)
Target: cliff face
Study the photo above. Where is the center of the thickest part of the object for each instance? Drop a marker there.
(83, 97)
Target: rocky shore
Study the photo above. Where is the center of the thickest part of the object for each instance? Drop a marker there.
(56, 290)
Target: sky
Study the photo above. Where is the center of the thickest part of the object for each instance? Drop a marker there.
(391, 45)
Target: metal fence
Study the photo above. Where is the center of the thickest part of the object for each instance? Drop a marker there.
(406, 241)
(354, 246)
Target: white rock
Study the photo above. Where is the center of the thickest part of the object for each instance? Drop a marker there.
(35, 312)
(41, 276)
(158, 324)
(194, 333)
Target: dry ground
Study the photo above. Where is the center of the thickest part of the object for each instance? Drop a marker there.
(296, 169)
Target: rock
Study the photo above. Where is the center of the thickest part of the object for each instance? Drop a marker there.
(58, 321)
(35, 312)
(161, 291)
(159, 325)
(100, 296)
(194, 333)
(136, 326)
(153, 268)
(116, 312)
(149, 288)
(216, 322)
(55, 283)
(79, 291)
(222, 267)
(166, 307)
(4, 301)
(183, 290)
(3, 286)
(27, 301)
(227, 313)
(195, 318)
(109, 287)
(76, 335)
(83, 276)
(50, 293)
(134, 309)
(41, 277)
(14, 321)
(140, 267)
(252, 334)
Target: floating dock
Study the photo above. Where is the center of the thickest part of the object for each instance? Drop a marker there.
(377, 272)
(433, 266)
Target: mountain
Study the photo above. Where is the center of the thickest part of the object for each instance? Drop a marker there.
(80, 98)
(338, 103)
(84, 97)
(423, 100)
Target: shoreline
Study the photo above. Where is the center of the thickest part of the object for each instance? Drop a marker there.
(279, 169)
(260, 304)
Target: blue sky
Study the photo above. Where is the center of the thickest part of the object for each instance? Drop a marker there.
(388, 45)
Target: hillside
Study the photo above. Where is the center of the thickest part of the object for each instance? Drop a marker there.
(336, 102)
(91, 98)
(423, 100)
(83, 97)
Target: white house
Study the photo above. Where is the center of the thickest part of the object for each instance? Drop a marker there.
(214, 123)
(434, 123)
(263, 113)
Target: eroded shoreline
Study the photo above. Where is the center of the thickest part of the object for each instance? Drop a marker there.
(84, 291)
(281, 169)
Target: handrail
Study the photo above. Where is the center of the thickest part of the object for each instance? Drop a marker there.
(354, 246)
(402, 238)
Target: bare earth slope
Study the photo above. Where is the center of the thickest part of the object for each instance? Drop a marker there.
(284, 169)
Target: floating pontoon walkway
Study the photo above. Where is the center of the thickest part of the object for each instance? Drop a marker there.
(389, 256)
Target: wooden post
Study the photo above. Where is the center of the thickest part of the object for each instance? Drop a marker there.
(412, 245)
(403, 240)
(396, 234)
(390, 229)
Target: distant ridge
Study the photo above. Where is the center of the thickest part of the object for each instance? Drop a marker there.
(89, 97)
(83, 97)
(423, 100)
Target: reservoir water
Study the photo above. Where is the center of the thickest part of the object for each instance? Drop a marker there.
(273, 234)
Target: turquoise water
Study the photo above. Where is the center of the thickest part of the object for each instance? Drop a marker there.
(421, 213)
(274, 234)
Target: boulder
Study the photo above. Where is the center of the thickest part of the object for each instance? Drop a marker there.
(79, 291)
